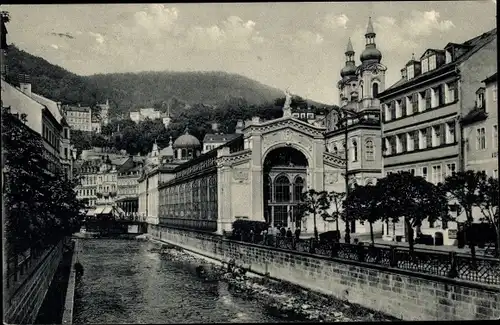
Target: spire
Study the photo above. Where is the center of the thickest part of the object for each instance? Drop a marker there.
(369, 29)
(349, 48)
(186, 131)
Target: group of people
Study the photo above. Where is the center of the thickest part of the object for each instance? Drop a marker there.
(278, 231)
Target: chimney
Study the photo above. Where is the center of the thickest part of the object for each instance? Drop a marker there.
(403, 73)
(239, 126)
(25, 84)
(215, 127)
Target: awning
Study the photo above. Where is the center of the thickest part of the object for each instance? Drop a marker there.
(98, 210)
(107, 210)
(91, 212)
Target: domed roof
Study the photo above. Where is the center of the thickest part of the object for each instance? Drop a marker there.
(371, 53)
(186, 141)
(348, 70)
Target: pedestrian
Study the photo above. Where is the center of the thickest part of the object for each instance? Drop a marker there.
(297, 233)
(282, 231)
(252, 235)
(289, 233)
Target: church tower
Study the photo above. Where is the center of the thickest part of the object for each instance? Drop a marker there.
(348, 84)
(371, 71)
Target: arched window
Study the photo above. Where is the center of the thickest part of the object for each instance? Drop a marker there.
(374, 89)
(282, 189)
(369, 150)
(361, 90)
(183, 154)
(354, 150)
(298, 188)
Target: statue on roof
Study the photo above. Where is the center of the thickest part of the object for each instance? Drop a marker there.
(288, 99)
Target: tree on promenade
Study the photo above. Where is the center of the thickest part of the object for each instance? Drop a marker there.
(314, 203)
(24, 177)
(365, 203)
(335, 200)
(488, 203)
(471, 189)
(414, 199)
(40, 208)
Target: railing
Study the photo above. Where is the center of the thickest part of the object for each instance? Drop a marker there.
(452, 264)
(206, 225)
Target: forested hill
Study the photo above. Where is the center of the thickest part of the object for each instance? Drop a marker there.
(127, 91)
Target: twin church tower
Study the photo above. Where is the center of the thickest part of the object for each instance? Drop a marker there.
(361, 84)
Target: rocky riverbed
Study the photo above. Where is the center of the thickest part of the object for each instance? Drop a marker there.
(280, 298)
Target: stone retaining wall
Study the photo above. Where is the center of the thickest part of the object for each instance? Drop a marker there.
(405, 295)
(23, 306)
(67, 317)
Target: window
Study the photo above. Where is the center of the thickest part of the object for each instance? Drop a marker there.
(354, 150)
(421, 101)
(422, 136)
(425, 65)
(403, 142)
(495, 136)
(428, 137)
(398, 144)
(448, 56)
(414, 102)
(411, 71)
(402, 102)
(480, 139)
(387, 145)
(450, 169)
(335, 150)
(436, 174)
(451, 92)
(410, 141)
(392, 110)
(450, 132)
(480, 100)
(369, 150)
(432, 62)
(374, 89)
(436, 135)
(428, 99)
(412, 171)
(424, 172)
(494, 92)
(298, 188)
(435, 94)
(282, 189)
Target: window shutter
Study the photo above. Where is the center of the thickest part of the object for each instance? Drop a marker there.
(403, 106)
(428, 99)
(428, 135)
(415, 102)
(455, 90)
(416, 140)
(403, 143)
(442, 134)
(441, 90)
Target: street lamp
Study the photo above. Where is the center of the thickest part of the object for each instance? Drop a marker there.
(344, 116)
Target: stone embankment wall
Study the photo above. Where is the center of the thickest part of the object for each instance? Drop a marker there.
(23, 306)
(67, 317)
(405, 295)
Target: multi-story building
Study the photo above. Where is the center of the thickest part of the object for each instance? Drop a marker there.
(79, 118)
(44, 117)
(128, 188)
(480, 130)
(145, 113)
(216, 139)
(87, 190)
(421, 112)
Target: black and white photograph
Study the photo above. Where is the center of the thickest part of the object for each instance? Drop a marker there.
(251, 162)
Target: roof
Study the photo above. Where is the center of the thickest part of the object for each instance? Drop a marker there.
(369, 28)
(78, 109)
(167, 151)
(186, 141)
(218, 138)
(491, 78)
(50, 104)
(473, 45)
(119, 161)
(476, 115)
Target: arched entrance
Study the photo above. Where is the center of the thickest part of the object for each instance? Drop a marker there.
(285, 171)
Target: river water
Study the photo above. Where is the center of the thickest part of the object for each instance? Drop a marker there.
(125, 283)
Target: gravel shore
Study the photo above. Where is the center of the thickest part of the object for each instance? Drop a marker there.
(280, 298)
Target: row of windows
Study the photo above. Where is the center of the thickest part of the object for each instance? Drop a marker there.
(354, 150)
(421, 101)
(481, 138)
(106, 189)
(127, 190)
(51, 137)
(429, 137)
(438, 172)
(86, 192)
(196, 199)
(79, 114)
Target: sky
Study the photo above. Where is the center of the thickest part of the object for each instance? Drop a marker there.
(299, 46)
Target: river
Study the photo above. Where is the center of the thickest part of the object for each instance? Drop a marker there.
(125, 283)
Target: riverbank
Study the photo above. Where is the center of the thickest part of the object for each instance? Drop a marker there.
(286, 300)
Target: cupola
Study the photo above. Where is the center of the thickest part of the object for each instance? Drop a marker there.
(371, 53)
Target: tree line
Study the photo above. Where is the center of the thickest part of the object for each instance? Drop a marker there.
(40, 207)
(403, 196)
(138, 138)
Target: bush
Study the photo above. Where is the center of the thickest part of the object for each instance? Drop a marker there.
(329, 236)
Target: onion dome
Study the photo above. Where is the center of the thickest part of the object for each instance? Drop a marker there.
(371, 53)
(186, 141)
(348, 70)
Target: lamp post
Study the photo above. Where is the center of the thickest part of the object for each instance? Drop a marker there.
(347, 115)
